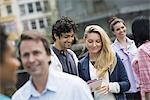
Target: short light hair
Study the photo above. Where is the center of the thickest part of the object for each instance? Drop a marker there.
(35, 35)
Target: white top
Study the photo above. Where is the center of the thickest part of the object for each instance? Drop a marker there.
(60, 86)
(113, 86)
(56, 65)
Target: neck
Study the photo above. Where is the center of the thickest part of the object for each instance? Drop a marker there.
(58, 46)
(123, 42)
(93, 57)
(40, 82)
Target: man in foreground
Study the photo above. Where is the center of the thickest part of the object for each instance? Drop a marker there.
(45, 83)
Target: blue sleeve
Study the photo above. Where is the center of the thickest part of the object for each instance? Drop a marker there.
(123, 78)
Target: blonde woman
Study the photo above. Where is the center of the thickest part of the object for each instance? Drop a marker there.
(101, 63)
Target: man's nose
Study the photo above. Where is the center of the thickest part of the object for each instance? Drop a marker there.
(70, 39)
(31, 58)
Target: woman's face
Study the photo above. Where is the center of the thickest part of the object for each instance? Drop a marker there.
(10, 65)
(119, 30)
(93, 42)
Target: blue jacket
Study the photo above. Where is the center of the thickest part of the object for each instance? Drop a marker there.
(118, 75)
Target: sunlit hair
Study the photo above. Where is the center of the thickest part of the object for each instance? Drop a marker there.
(113, 21)
(36, 36)
(106, 57)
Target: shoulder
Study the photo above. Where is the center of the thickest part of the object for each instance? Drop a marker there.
(86, 57)
(144, 47)
(115, 46)
(21, 93)
(119, 64)
(70, 51)
(72, 80)
(73, 54)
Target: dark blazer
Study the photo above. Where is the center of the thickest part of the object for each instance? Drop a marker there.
(118, 75)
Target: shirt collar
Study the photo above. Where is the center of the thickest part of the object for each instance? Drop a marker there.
(58, 52)
(50, 86)
(129, 42)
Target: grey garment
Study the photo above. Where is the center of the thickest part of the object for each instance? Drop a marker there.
(67, 61)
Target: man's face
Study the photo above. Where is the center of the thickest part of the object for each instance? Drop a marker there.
(65, 41)
(9, 67)
(34, 57)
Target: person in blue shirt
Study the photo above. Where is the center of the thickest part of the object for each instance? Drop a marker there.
(8, 64)
(46, 83)
(63, 58)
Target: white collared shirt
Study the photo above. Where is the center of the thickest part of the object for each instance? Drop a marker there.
(56, 65)
(60, 86)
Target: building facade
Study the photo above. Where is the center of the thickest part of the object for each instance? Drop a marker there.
(86, 12)
(7, 15)
(28, 14)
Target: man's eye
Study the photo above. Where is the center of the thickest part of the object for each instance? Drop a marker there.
(25, 55)
(36, 52)
(66, 37)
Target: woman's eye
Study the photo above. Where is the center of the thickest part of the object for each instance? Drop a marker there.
(90, 41)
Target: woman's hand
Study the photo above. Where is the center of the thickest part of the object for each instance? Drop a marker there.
(103, 89)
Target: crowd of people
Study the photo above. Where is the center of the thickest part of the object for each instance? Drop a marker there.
(108, 71)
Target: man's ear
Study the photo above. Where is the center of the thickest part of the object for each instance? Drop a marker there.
(56, 37)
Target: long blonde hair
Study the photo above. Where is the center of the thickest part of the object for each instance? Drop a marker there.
(106, 57)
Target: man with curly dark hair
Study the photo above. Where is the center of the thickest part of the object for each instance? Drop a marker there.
(63, 58)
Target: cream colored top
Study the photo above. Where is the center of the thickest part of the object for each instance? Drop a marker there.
(113, 86)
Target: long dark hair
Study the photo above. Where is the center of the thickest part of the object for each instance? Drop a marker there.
(141, 30)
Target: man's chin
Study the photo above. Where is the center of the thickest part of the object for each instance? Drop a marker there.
(68, 47)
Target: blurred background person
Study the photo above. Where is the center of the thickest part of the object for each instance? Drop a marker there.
(103, 64)
(126, 49)
(8, 64)
(141, 63)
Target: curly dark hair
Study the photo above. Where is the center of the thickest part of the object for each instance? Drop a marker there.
(3, 43)
(141, 30)
(63, 25)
